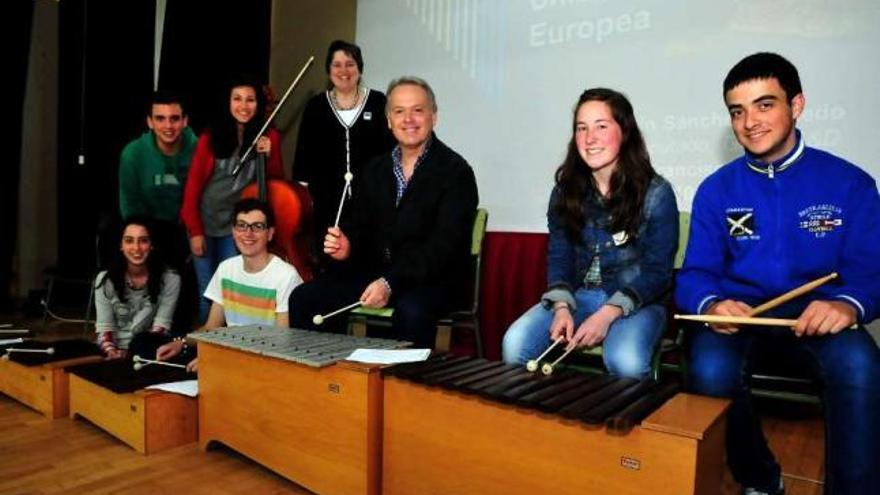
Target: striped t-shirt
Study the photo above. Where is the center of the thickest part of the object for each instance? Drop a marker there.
(252, 298)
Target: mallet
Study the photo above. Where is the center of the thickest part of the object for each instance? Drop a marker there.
(319, 319)
(140, 362)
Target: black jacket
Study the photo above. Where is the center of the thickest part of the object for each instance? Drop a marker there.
(425, 240)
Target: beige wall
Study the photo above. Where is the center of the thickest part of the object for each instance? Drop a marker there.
(300, 29)
(37, 203)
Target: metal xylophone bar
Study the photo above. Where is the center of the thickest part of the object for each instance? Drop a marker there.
(321, 344)
(322, 355)
(311, 348)
(249, 339)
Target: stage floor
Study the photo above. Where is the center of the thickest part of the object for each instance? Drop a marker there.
(41, 456)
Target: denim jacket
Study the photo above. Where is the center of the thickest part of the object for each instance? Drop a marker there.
(635, 272)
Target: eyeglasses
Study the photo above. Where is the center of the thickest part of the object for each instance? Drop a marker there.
(256, 227)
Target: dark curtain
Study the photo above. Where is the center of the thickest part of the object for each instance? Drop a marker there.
(18, 28)
(514, 277)
(206, 42)
(106, 78)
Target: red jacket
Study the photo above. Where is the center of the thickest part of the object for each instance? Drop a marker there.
(201, 169)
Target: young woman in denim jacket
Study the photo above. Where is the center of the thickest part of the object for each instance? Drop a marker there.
(613, 225)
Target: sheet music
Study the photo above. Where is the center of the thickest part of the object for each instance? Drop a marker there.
(187, 387)
(385, 356)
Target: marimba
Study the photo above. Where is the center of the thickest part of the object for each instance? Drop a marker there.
(40, 381)
(286, 399)
(461, 425)
(112, 395)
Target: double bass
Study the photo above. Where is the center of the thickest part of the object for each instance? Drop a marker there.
(292, 206)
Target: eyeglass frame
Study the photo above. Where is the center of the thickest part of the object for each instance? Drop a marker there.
(257, 227)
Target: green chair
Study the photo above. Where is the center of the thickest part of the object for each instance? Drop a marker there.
(673, 340)
(361, 318)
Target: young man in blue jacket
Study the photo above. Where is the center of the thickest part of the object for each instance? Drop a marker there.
(779, 216)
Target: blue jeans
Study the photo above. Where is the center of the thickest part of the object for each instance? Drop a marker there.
(217, 249)
(628, 346)
(848, 364)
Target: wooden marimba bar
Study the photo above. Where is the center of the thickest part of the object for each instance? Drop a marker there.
(112, 395)
(286, 399)
(40, 380)
(462, 425)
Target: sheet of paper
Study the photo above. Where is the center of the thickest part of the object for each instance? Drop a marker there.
(10, 341)
(385, 356)
(186, 387)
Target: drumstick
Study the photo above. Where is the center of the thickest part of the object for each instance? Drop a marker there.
(10, 350)
(743, 320)
(5, 325)
(547, 369)
(739, 320)
(140, 362)
(15, 330)
(319, 319)
(532, 365)
(788, 296)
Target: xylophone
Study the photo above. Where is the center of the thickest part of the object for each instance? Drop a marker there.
(286, 399)
(40, 379)
(112, 395)
(463, 425)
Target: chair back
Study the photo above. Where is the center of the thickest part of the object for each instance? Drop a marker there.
(684, 230)
(477, 236)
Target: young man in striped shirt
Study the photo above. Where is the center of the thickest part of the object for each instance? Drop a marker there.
(252, 288)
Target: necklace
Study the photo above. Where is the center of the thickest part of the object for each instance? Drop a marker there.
(134, 285)
(336, 104)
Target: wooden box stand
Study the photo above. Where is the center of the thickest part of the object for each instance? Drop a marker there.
(43, 387)
(436, 441)
(147, 420)
(319, 427)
